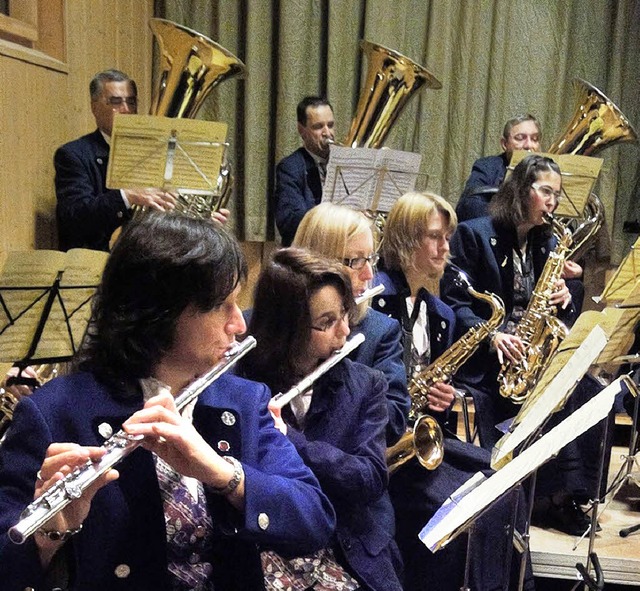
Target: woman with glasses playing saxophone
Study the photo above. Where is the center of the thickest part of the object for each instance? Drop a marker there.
(188, 507)
(512, 252)
(414, 253)
(302, 308)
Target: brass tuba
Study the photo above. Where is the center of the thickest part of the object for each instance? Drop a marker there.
(190, 66)
(391, 80)
(597, 123)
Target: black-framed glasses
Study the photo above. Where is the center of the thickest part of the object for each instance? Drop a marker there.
(328, 323)
(359, 262)
(118, 101)
(547, 191)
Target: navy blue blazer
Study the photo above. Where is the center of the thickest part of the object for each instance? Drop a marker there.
(87, 212)
(343, 442)
(298, 189)
(284, 507)
(486, 176)
(382, 350)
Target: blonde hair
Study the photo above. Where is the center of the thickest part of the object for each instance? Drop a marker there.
(327, 229)
(407, 224)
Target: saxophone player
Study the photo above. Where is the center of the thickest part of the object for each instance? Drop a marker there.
(414, 253)
(506, 253)
(188, 508)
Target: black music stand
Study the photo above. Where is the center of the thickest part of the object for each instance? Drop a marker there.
(457, 514)
(368, 179)
(45, 304)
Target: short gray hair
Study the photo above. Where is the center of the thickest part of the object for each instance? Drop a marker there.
(98, 81)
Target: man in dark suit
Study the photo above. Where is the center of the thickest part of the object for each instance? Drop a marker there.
(520, 133)
(299, 176)
(87, 212)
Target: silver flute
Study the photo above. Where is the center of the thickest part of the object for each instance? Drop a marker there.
(117, 447)
(284, 398)
(369, 293)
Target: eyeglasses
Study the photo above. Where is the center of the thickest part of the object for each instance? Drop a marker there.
(547, 191)
(117, 101)
(359, 262)
(328, 323)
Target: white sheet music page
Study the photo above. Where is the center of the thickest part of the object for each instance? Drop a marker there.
(368, 178)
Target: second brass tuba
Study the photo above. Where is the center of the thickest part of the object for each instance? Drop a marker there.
(190, 65)
(596, 124)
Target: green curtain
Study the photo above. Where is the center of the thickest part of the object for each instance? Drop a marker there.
(495, 58)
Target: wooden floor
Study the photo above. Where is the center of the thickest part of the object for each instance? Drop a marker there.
(555, 554)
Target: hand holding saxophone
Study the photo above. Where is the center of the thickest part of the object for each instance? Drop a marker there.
(560, 296)
(508, 346)
(174, 439)
(151, 198)
(440, 396)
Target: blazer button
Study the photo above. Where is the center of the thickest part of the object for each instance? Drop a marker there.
(122, 571)
(228, 418)
(263, 521)
(382, 303)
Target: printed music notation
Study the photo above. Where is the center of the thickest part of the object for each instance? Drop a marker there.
(165, 153)
(370, 179)
(47, 291)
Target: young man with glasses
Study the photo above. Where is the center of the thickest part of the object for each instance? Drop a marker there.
(520, 133)
(87, 212)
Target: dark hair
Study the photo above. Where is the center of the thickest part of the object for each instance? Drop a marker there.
(509, 125)
(510, 205)
(98, 81)
(161, 264)
(281, 321)
(310, 101)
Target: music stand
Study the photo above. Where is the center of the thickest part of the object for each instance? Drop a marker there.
(466, 505)
(369, 179)
(579, 175)
(182, 155)
(45, 303)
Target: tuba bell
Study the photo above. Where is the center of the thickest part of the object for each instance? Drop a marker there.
(190, 66)
(391, 80)
(597, 123)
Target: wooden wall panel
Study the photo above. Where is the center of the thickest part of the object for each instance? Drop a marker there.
(45, 103)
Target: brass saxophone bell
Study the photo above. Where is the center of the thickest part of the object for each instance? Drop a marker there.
(425, 442)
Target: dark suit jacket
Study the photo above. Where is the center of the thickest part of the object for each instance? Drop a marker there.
(298, 189)
(343, 442)
(284, 506)
(87, 212)
(486, 176)
(382, 350)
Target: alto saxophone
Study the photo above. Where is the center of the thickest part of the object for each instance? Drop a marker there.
(539, 329)
(425, 439)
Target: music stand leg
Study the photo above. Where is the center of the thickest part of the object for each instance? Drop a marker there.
(467, 561)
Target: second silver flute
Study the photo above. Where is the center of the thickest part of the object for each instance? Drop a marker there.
(118, 446)
(282, 399)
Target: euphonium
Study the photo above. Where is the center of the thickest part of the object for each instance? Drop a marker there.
(190, 66)
(425, 439)
(540, 330)
(597, 123)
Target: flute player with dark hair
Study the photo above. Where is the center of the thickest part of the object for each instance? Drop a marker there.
(189, 508)
(303, 304)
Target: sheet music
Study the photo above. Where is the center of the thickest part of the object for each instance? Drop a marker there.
(625, 278)
(579, 175)
(140, 150)
(23, 307)
(452, 518)
(369, 179)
